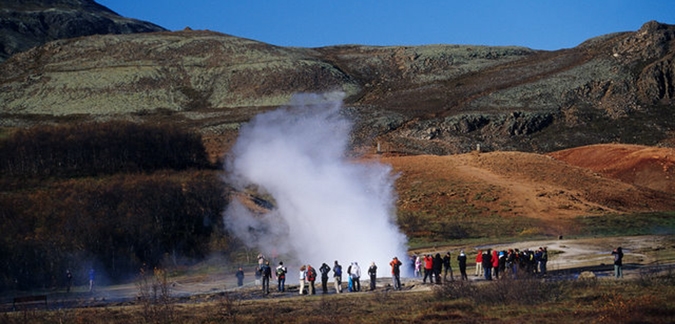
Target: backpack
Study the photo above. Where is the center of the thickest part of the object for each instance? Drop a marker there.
(311, 274)
(281, 272)
(338, 270)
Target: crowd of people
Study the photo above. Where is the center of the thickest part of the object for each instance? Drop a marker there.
(307, 276)
(489, 264)
(495, 264)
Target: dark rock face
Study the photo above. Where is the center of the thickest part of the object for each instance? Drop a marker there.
(28, 23)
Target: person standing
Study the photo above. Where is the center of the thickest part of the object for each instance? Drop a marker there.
(350, 282)
(396, 273)
(413, 258)
(301, 277)
(281, 277)
(325, 270)
(618, 262)
(266, 272)
(487, 264)
(428, 268)
(461, 259)
(418, 266)
(258, 270)
(447, 266)
(69, 280)
(240, 277)
(258, 274)
(437, 265)
(372, 273)
(356, 276)
(479, 263)
(311, 277)
(337, 277)
(92, 278)
(542, 260)
(495, 264)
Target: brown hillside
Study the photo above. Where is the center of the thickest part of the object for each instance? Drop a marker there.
(516, 184)
(651, 167)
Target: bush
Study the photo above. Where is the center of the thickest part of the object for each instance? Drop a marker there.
(99, 149)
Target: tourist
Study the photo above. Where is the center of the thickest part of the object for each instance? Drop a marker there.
(281, 277)
(372, 273)
(337, 277)
(396, 273)
(618, 262)
(325, 270)
(461, 259)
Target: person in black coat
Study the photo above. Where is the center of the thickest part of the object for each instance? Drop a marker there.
(240, 277)
(461, 259)
(618, 262)
(325, 270)
(438, 267)
(487, 264)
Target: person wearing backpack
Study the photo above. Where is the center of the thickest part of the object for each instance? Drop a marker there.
(396, 273)
(266, 275)
(281, 277)
(337, 277)
(325, 270)
(311, 277)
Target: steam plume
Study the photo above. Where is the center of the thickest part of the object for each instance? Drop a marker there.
(326, 207)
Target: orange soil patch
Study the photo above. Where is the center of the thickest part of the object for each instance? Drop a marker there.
(591, 180)
(651, 167)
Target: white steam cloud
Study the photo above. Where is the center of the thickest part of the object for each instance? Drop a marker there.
(326, 206)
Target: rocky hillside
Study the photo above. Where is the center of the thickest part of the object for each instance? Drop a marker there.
(28, 23)
(436, 99)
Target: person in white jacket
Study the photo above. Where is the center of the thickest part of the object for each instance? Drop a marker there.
(301, 278)
(356, 276)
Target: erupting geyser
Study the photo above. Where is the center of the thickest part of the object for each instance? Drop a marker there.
(326, 206)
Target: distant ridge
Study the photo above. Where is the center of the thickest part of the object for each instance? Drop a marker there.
(28, 23)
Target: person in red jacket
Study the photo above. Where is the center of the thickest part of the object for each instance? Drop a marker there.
(396, 273)
(311, 277)
(428, 268)
(495, 263)
(479, 263)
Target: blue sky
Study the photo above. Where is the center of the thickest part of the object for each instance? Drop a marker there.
(538, 24)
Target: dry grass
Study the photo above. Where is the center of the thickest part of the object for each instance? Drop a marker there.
(500, 301)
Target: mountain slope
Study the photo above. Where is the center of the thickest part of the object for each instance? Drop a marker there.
(436, 99)
(28, 23)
